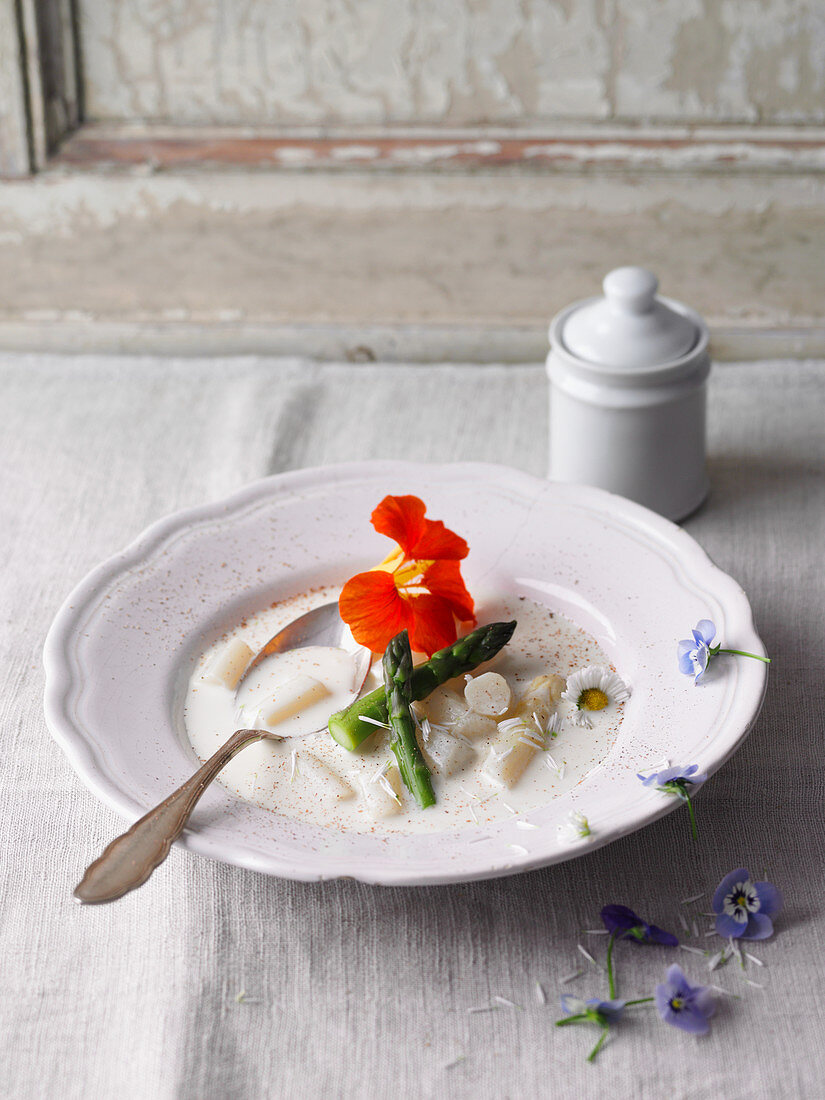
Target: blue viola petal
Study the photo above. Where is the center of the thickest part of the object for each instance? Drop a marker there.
(658, 935)
(618, 918)
(728, 927)
(759, 927)
(770, 899)
(610, 1010)
(726, 885)
(705, 631)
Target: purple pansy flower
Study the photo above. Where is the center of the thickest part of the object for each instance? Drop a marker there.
(684, 1005)
(676, 781)
(600, 1012)
(624, 924)
(670, 779)
(744, 909)
(694, 654)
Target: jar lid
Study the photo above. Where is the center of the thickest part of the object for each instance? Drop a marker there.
(629, 327)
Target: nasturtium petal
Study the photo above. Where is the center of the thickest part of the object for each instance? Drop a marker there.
(438, 542)
(402, 519)
(443, 578)
(370, 605)
(431, 626)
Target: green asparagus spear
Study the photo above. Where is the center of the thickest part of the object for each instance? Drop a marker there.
(348, 726)
(398, 668)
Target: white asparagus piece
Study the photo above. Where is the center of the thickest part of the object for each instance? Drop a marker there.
(521, 736)
(442, 706)
(289, 698)
(488, 694)
(382, 793)
(229, 664)
(445, 753)
(475, 726)
(329, 784)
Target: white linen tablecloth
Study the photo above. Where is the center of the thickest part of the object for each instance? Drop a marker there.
(353, 990)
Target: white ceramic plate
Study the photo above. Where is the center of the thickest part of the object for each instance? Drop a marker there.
(121, 649)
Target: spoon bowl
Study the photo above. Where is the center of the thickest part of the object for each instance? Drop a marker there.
(131, 858)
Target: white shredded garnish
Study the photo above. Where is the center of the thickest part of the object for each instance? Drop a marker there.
(482, 1008)
(526, 825)
(756, 985)
(665, 763)
(683, 923)
(293, 765)
(588, 956)
(456, 1061)
(425, 729)
(509, 808)
(710, 932)
(385, 767)
(541, 996)
(529, 742)
(473, 814)
(692, 950)
(695, 928)
(374, 722)
(551, 763)
(504, 1001)
(690, 900)
(735, 949)
(596, 932)
(715, 960)
(241, 997)
(479, 839)
(753, 959)
(726, 992)
(469, 794)
(570, 977)
(386, 786)
(517, 848)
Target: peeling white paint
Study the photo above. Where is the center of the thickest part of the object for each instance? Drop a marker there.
(453, 62)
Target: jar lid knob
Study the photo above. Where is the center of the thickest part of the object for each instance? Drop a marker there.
(631, 289)
(630, 328)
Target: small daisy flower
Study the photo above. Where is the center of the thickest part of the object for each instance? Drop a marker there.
(576, 827)
(744, 909)
(592, 689)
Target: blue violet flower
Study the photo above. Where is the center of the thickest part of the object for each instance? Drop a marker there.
(623, 924)
(601, 1013)
(695, 654)
(676, 781)
(683, 1005)
(744, 909)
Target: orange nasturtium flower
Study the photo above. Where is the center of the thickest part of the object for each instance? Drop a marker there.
(418, 586)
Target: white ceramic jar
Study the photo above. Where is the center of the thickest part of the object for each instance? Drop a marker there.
(628, 378)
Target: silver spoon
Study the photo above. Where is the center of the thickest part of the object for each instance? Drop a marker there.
(132, 857)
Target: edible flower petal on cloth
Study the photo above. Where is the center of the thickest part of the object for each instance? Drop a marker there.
(601, 1013)
(418, 587)
(744, 909)
(683, 1005)
(592, 689)
(695, 654)
(623, 924)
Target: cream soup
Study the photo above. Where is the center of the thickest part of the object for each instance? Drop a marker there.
(313, 778)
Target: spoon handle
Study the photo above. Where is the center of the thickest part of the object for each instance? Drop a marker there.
(131, 858)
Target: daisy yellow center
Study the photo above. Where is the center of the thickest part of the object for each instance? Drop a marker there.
(593, 699)
(676, 1003)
